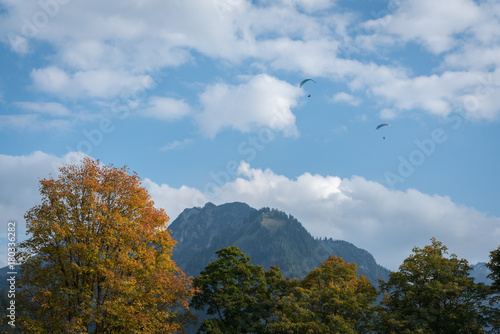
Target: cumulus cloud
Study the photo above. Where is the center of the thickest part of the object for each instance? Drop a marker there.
(50, 79)
(315, 57)
(113, 55)
(174, 200)
(432, 24)
(260, 101)
(125, 41)
(92, 83)
(464, 32)
(472, 92)
(346, 98)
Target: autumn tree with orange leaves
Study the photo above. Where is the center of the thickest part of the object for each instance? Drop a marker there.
(98, 258)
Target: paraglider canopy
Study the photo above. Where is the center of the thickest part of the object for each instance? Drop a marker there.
(304, 81)
(382, 125)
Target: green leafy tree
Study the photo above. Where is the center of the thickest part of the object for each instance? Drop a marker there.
(4, 304)
(237, 294)
(98, 258)
(494, 266)
(432, 293)
(330, 299)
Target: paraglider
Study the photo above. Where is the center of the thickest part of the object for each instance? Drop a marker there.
(382, 125)
(304, 81)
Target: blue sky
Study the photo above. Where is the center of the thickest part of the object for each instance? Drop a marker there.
(202, 100)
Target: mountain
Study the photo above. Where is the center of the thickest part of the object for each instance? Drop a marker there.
(365, 261)
(267, 236)
(480, 273)
(200, 231)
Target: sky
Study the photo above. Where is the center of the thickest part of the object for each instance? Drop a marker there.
(203, 100)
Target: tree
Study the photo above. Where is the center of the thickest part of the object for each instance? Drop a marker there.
(494, 266)
(98, 258)
(235, 293)
(330, 299)
(432, 293)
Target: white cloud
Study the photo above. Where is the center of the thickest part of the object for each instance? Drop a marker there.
(166, 108)
(114, 55)
(434, 24)
(18, 43)
(91, 83)
(314, 5)
(479, 50)
(340, 129)
(177, 144)
(464, 32)
(346, 98)
(90, 55)
(260, 101)
(314, 57)
(51, 79)
(473, 92)
(48, 108)
(133, 37)
(174, 200)
(387, 113)
(306, 5)
(474, 57)
(122, 35)
(33, 122)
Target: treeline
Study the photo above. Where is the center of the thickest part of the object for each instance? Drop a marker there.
(98, 260)
(430, 293)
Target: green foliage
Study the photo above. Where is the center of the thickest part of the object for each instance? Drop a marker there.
(432, 293)
(243, 298)
(494, 266)
(235, 292)
(330, 299)
(4, 304)
(364, 260)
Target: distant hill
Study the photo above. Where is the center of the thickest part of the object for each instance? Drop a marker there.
(480, 273)
(267, 236)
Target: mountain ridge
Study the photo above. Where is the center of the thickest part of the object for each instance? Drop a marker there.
(267, 236)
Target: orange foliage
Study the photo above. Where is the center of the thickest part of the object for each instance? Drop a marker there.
(98, 257)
